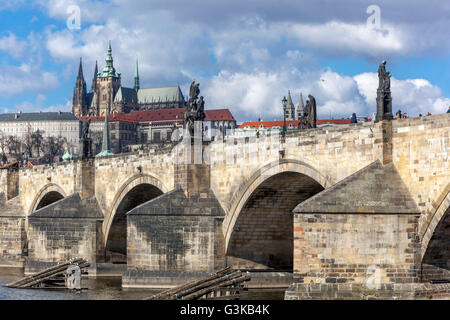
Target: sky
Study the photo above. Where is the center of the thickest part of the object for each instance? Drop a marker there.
(246, 55)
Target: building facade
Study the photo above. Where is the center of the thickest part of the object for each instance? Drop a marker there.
(155, 126)
(122, 131)
(51, 124)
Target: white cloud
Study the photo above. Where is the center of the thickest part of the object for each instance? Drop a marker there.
(259, 94)
(15, 80)
(13, 46)
(248, 54)
(358, 39)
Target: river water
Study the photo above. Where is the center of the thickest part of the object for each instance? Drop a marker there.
(102, 288)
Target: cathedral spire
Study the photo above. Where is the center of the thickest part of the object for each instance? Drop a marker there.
(290, 108)
(108, 70)
(80, 70)
(94, 79)
(79, 102)
(300, 107)
(136, 77)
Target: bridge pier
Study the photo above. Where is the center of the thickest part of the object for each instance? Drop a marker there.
(176, 237)
(358, 240)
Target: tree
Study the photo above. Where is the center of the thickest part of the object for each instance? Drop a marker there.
(3, 146)
(14, 146)
(28, 142)
(54, 146)
(37, 138)
(97, 138)
(3, 140)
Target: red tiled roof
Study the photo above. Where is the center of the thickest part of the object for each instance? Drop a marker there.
(123, 117)
(177, 113)
(218, 114)
(163, 116)
(172, 114)
(279, 123)
(334, 121)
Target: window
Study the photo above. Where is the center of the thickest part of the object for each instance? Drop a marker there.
(156, 136)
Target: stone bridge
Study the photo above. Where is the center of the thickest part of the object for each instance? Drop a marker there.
(342, 212)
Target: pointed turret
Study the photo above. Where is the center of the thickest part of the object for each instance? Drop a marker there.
(94, 79)
(80, 70)
(136, 78)
(106, 145)
(79, 102)
(108, 70)
(300, 108)
(289, 110)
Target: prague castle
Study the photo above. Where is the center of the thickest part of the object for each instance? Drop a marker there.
(107, 95)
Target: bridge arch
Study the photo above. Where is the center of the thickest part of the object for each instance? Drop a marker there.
(435, 242)
(48, 194)
(134, 191)
(264, 203)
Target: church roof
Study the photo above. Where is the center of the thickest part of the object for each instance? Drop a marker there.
(125, 95)
(162, 94)
(176, 114)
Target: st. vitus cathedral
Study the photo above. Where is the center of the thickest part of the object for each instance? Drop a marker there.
(107, 95)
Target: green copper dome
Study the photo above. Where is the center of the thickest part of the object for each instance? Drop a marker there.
(109, 70)
(67, 156)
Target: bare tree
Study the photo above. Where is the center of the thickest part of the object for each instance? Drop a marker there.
(97, 137)
(14, 146)
(28, 142)
(3, 140)
(54, 146)
(38, 139)
(3, 146)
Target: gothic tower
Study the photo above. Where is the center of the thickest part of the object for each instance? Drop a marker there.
(94, 79)
(79, 103)
(300, 108)
(289, 109)
(108, 82)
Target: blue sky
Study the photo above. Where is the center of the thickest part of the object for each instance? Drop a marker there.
(246, 55)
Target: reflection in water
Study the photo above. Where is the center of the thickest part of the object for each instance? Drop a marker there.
(106, 288)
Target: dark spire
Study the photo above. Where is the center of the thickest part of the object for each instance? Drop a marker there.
(106, 145)
(79, 103)
(80, 70)
(94, 79)
(136, 77)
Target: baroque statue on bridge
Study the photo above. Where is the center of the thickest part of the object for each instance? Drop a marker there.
(384, 99)
(195, 110)
(309, 115)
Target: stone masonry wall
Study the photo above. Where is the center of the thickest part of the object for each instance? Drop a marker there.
(421, 150)
(180, 243)
(334, 152)
(114, 172)
(355, 248)
(33, 180)
(12, 239)
(58, 240)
